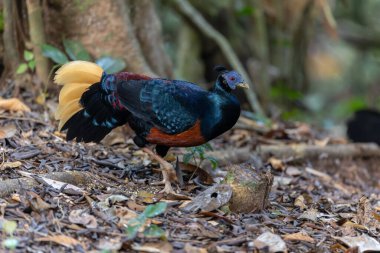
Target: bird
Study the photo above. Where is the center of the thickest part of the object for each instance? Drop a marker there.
(364, 126)
(167, 113)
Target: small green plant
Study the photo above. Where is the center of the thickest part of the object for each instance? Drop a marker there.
(30, 63)
(136, 224)
(9, 228)
(74, 51)
(198, 154)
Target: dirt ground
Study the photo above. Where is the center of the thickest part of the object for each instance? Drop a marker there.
(315, 205)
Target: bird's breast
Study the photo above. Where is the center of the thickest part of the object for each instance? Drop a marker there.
(221, 116)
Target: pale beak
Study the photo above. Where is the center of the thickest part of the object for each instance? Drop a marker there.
(243, 85)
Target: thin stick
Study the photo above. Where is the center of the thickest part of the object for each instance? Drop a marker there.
(25, 119)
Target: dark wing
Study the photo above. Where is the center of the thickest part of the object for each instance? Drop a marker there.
(171, 106)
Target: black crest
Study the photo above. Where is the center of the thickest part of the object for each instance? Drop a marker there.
(220, 69)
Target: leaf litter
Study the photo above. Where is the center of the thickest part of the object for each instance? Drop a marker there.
(314, 205)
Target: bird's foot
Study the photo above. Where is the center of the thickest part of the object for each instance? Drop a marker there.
(168, 189)
(168, 172)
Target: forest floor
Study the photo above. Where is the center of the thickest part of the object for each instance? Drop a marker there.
(316, 204)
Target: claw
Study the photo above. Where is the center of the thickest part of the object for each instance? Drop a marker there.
(168, 172)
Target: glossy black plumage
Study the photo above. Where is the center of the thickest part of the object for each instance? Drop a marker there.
(160, 111)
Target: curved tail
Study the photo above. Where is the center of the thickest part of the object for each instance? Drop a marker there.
(82, 108)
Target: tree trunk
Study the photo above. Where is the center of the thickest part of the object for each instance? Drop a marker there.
(148, 31)
(135, 57)
(11, 55)
(37, 37)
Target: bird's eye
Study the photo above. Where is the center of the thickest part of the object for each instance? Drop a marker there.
(232, 78)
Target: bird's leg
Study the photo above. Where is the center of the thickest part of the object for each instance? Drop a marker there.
(168, 172)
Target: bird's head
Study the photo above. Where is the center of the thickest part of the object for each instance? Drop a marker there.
(228, 80)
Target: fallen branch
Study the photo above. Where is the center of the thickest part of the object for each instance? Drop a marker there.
(186, 9)
(295, 152)
(77, 178)
(303, 151)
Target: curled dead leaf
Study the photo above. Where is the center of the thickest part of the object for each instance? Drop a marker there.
(14, 105)
(81, 217)
(300, 236)
(37, 203)
(10, 165)
(59, 239)
(300, 202)
(7, 131)
(276, 163)
(210, 199)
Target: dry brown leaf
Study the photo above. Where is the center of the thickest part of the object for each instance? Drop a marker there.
(322, 143)
(59, 239)
(7, 131)
(364, 243)
(27, 134)
(376, 216)
(14, 105)
(210, 199)
(112, 244)
(276, 163)
(270, 240)
(354, 225)
(159, 247)
(300, 202)
(124, 214)
(192, 249)
(16, 197)
(300, 236)
(147, 197)
(80, 216)
(37, 203)
(311, 214)
(134, 206)
(10, 165)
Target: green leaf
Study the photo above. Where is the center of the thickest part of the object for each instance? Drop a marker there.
(154, 210)
(28, 55)
(134, 225)
(9, 226)
(207, 146)
(154, 231)
(10, 243)
(54, 54)
(213, 161)
(132, 231)
(21, 68)
(32, 65)
(76, 51)
(187, 157)
(110, 64)
(198, 149)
